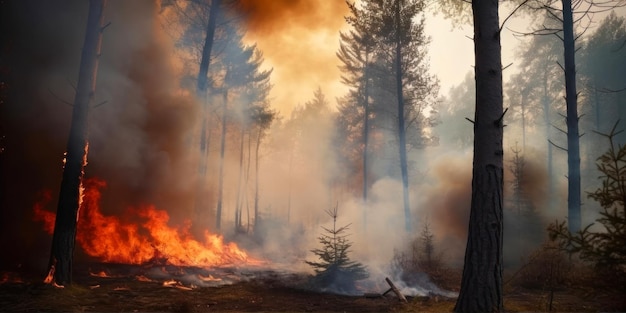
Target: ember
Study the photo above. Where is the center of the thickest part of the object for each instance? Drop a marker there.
(113, 240)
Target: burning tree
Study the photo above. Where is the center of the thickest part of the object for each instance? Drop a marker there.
(70, 195)
(335, 270)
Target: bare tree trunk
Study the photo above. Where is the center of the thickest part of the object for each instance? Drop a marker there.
(220, 184)
(256, 178)
(573, 142)
(366, 118)
(546, 110)
(246, 180)
(290, 183)
(201, 90)
(401, 128)
(239, 182)
(523, 105)
(64, 238)
(481, 285)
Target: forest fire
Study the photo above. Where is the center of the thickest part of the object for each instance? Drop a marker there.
(113, 240)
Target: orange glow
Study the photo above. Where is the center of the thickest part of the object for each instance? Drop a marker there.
(42, 215)
(143, 278)
(8, 277)
(110, 239)
(99, 274)
(50, 277)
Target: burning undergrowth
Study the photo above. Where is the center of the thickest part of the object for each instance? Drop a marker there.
(151, 240)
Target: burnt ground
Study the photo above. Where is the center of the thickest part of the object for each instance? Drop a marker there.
(141, 289)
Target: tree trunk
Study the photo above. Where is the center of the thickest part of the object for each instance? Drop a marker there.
(64, 237)
(366, 118)
(220, 184)
(256, 178)
(523, 105)
(481, 285)
(573, 143)
(201, 90)
(290, 185)
(546, 117)
(239, 183)
(401, 129)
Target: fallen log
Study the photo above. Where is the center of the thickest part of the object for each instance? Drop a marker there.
(395, 290)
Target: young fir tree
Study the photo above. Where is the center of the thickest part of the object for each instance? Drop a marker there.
(605, 248)
(334, 270)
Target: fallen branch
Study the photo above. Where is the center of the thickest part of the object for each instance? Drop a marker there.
(395, 290)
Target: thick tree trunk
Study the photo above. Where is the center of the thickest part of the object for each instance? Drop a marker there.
(481, 285)
(401, 128)
(63, 241)
(220, 184)
(573, 142)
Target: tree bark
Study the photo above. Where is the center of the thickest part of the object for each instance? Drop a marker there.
(401, 129)
(64, 237)
(571, 101)
(481, 285)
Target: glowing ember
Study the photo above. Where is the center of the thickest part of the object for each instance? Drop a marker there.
(99, 274)
(113, 240)
(8, 277)
(50, 277)
(208, 278)
(144, 278)
(176, 284)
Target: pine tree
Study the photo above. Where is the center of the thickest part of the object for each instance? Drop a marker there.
(384, 63)
(335, 270)
(606, 248)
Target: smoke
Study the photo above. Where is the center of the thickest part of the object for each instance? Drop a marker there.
(141, 138)
(299, 40)
(139, 135)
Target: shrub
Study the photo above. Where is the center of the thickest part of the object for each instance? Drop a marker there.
(605, 247)
(334, 270)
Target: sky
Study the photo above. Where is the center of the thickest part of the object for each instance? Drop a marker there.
(299, 40)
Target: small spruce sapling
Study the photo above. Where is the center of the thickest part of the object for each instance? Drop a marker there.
(334, 270)
(606, 248)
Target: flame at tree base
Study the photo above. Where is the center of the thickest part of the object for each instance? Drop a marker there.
(115, 241)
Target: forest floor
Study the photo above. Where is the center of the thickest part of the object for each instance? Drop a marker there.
(240, 291)
(236, 291)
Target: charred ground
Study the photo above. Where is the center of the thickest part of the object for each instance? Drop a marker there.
(160, 288)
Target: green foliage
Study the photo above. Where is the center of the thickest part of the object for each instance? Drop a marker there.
(605, 248)
(334, 270)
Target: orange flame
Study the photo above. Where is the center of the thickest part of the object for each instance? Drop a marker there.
(113, 240)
